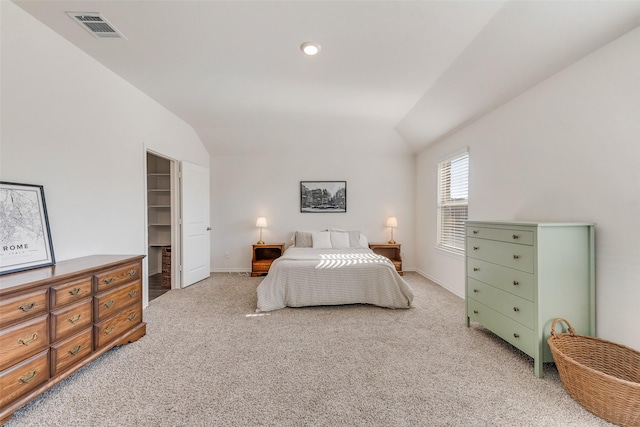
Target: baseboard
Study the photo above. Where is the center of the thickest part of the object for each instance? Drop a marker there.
(154, 272)
(426, 276)
(231, 270)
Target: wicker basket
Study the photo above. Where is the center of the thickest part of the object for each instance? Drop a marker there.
(602, 376)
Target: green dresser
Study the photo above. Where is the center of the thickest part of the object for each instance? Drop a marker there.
(522, 275)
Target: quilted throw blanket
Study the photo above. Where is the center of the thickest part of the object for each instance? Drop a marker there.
(307, 277)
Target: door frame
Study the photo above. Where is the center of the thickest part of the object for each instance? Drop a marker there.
(176, 249)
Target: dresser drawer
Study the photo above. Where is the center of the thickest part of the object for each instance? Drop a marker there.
(68, 293)
(112, 302)
(514, 307)
(22, 307)
(517, 282)
(509, 255)
(71, 319)
(114, 327)
(523, 237)
(24, 377)
(71, 351)
(23, 340)
(508, 329)
(117, 277)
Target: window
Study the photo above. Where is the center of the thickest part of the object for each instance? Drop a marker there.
(453, 202)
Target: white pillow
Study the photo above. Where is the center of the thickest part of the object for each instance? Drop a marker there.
(364, 242)
(339, 240)
(321, 240)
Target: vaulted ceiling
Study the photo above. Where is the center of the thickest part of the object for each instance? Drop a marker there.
(390, 76)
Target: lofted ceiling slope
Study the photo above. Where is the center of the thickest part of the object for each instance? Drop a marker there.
(392, 76)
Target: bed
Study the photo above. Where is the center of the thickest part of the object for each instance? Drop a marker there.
(338, 271)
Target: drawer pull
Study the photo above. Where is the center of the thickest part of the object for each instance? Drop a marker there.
(516, 257)
(476, 291)
(132, 293)
(28, 339)
(75, 318)
(475, 248)
(516, 309)
(475, 231)
(515, 237)
(516, 335)
(131, 317)
(109, 303)
(516, 283)
(107, 281)
(132, 272)
(475, 311)
(74, 291)
(28, 377)
(74, 350)
(27, 307)
(476, 269)
(109, 330)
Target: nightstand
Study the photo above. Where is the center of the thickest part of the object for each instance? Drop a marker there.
(263, 256)
(391, 251)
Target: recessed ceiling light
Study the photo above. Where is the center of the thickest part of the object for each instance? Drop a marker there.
(310, 48)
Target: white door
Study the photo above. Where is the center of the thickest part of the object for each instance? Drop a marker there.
(195, 224)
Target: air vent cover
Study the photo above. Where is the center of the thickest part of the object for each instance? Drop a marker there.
(96, 24)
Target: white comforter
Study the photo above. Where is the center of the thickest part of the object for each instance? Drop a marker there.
(305, 277)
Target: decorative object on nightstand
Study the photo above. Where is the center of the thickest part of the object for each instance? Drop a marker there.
(391, 251)
(261, 223)
(392, 222)
(263, 256)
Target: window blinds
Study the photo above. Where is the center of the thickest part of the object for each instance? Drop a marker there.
(453, 202)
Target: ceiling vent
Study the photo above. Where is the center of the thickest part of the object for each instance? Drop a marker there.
(96, 24)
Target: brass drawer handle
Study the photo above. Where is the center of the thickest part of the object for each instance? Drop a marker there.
(75, 350)
(28, 339)
(516, 257)
(515, 237)
(132, 293)
(476, 291)
(74, 291)
(131, 317)
(475, 311)
(516, 309)
(28, 306)
(475, 231)
(107, 281)
(516, 335)
(516, 283)
(132, 272)
(109, 303)
(28, 377)
(109, 330)
(75, 318)
(476, 269)
(475, 248)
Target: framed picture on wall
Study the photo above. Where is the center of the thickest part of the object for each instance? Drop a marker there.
(323, 196)
(25, 237)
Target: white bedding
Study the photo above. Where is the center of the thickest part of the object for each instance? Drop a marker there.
(307, 277)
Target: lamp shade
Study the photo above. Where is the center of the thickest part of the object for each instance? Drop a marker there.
(392, 222)
(261, 222)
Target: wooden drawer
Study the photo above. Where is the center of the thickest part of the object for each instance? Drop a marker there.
(68, 293)
(114, 327)
(517, 282)
(508, 329)
(22, 307)
(21, 341)
(73, 350)
(514, 307)
(262, 266)
(523, 237)
(69, 320)
(24, 377)
(510, 255)
(112, 302)
(117, 277)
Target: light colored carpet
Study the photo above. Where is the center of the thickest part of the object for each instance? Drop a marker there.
(208, 360)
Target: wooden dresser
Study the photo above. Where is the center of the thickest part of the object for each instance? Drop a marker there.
(522, 275)
(54, 320)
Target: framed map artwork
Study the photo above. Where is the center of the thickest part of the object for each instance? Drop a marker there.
(25, 238)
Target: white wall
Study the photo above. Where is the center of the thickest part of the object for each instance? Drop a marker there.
(566, 150)
(246, 187)
(70, 124)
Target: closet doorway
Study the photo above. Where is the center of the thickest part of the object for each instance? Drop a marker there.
(161, 208)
